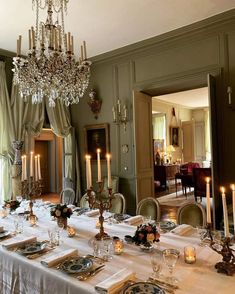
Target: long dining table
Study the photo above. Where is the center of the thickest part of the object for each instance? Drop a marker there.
(19, 275)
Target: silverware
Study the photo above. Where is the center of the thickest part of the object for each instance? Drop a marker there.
(92, 273)
(36, 255)
(163, 283)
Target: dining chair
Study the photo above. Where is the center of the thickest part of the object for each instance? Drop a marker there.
(149, 207)
(118, 203)
(199, 175)
(84, 202)
(191, 213)
(67, 196)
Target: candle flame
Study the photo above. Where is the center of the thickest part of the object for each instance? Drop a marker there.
(98, 150)
(36, 157)
(233, 187)
(87, 156)
(31, 152)
(108, 156)
(208, 179)
(222, 189)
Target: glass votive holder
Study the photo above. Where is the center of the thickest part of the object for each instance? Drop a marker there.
(32, 220)
(118, 246)
(189, 254)
(71, 231)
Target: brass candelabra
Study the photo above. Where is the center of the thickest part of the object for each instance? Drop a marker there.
(97, 200)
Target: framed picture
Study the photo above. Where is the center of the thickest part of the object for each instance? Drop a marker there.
(97, 137)
(174, 136)
(158, 144)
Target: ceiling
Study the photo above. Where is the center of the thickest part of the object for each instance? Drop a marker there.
(196, 98)
(109, 24)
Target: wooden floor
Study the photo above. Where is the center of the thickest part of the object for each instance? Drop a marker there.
(167, 212)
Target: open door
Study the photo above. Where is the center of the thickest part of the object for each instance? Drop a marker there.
(142, 108)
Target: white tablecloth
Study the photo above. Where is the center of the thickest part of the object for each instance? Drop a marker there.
(18, 275)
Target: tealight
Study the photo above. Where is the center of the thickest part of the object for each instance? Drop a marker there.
(71, 231)
(189, 254)
(118, 246)
(33, 220)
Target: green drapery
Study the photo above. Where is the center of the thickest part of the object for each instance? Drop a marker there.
(6, 132)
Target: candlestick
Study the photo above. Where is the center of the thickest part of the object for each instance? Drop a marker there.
(208, 204)
(39, 168)
(98, 165)
(226, 227)
(109, 171)
(233, 195)
(36, 168)
(31, 164)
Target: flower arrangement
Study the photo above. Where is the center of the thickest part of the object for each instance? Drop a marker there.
(61, 210)
(146, 233)
(11, 204)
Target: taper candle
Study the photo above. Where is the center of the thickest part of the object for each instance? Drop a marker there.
(25, 167)
(226, 227)
(88, 171)
(208, 204)
(36, 168)
(108, 156)
(22, 174)
(30, 40)
(98, 165)
(31, 164)
(233, 195)
(84, 48)
(39, 168)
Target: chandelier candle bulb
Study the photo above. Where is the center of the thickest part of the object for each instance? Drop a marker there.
(233, 196)
(208, 205)
(98, 165)
(225, 211)
(108, 156)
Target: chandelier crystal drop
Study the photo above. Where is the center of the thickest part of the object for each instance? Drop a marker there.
(50, 69)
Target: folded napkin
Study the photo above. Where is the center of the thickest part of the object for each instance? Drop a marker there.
(115, 282)
(134, 220)
(1, 229)
(18, 242)
(93, 212)
(59, 257)
(182, 230)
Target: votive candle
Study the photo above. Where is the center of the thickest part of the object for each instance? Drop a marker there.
(189, 254)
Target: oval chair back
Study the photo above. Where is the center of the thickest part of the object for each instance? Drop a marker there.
(191, 214)
(67, 196)
(118, 203)
(84, 202)
(149, 207)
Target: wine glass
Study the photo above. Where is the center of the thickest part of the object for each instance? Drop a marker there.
(170, 257)
(59, 230)
(156, 262)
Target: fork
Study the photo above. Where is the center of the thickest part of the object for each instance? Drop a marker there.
(92, 273)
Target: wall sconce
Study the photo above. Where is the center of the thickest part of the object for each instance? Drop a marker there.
(95, 103)
(120, 114)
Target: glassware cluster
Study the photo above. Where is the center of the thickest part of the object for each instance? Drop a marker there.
(50, 68)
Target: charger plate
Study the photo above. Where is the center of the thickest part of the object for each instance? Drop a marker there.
(143, 288)
(167, 225)
(77, 265)
(32, 248)
(4, 234)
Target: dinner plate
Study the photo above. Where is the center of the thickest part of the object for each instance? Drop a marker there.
(77, 265)
(32, 248)
(167, 225)
(143, 288)
(4, 234)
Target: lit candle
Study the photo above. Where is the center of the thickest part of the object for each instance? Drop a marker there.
(189, 254)
(31, 164)
(89, 166)
(108, 156)
(226, 227)
(71, 231)
(208, 204)
(88, 171)
(118, 246)
(36, 168)
(39, 168)
(233, 194)
(98, 165)
(97, 225)
(25, 167)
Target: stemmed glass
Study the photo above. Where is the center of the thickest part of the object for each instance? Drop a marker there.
(156, 262)
(170, 257)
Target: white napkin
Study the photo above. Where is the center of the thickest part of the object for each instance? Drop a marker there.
(115, 282)
(134, 220)
(18, 242)
(1, 229)
(93, 212)
(59, 257)
(182, 230)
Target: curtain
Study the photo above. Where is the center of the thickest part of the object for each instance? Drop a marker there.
(159, 127)
(6, 132)
(207, 135)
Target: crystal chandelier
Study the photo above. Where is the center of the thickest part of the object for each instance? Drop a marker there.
(50, 69)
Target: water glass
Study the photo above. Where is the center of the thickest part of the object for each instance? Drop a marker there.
(19, 225)
(53, 237)
(170, 257)
(106, 249)
(156, 262)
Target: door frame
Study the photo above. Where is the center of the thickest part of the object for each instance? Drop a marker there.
(190, 81)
